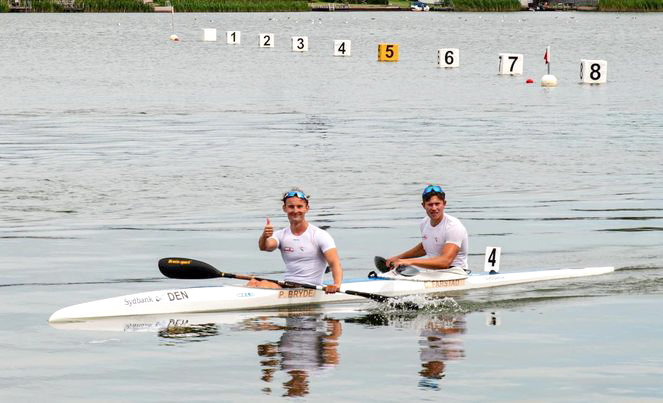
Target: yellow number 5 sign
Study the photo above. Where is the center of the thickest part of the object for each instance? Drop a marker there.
(387, 52)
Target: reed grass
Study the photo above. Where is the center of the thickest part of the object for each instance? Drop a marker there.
(46, 6)
(4, 7)
(239, 5)
(630, 5)
(115, 6)
(486, 5)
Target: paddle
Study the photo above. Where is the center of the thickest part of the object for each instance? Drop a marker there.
(183, 268)
(381, 265)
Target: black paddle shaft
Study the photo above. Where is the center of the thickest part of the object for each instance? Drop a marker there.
(184, 268)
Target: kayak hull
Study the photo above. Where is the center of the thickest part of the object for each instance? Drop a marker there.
(232, 297)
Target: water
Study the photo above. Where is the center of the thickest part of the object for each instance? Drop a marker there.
(118, 147)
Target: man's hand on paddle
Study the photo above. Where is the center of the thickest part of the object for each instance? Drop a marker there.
(331, 289)
(392, 262)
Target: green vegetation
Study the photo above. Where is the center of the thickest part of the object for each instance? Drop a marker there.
(239, 5)
(631, 5)
(114, 6)
(302, 5)
(486, 5)
(46, 6)
(362, 2)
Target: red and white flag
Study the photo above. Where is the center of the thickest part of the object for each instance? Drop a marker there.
(546, 57)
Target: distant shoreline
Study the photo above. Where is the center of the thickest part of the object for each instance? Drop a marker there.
(57, 6)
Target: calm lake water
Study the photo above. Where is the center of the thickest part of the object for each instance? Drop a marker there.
(119, 147)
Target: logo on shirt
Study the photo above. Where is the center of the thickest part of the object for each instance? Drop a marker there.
(288, 249)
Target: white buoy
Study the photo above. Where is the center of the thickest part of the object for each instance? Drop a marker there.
(549, 80)
(174, 38)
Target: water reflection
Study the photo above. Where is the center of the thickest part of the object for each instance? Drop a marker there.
(305, 343)
(182, 330)
(438, 344)
(438, 339)
(308, 345)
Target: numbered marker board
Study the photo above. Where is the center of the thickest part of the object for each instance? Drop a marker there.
(266, 40)
(493, 319)
(209, 34)
(593, 71)
(492, 259)
(233, 37)
(300, 43)
(449, 57)
(342, 47)
(387, 52)
(510, 63)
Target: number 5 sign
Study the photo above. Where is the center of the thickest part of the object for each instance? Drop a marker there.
(387, 52)
(492, 261)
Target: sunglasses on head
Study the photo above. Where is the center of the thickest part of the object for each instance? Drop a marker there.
(294, 193)
(432, 188)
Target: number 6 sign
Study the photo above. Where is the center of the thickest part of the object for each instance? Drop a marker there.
(448, 57)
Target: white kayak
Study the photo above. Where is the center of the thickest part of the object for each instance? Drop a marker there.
(232, 297)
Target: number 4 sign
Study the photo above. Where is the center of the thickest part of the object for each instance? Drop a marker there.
(492, 261)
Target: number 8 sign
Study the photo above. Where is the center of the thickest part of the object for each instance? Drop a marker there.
(593, 71)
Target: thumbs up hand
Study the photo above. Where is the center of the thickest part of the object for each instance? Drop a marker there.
(268, 230)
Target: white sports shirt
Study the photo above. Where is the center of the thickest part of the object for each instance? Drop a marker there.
(449, 230)
(304, 254)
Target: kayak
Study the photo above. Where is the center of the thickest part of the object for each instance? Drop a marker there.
(235, 297)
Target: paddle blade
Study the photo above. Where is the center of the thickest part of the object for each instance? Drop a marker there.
(381, 264)
(183, 268)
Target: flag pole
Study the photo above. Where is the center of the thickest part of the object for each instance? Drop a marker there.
(548, 61)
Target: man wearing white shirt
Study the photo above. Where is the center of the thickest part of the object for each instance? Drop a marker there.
(305, 248)
(444, 241)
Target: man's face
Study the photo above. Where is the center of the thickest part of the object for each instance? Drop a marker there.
(434, 208)
(296, 209)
